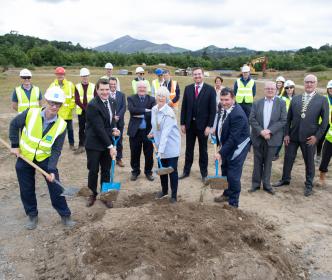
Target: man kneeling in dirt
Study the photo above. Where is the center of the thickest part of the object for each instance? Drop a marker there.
(41, 141)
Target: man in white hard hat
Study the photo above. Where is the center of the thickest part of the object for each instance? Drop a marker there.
(26, 95)
(140, 77)
(84, 93)
(41, 141)
(245, 90)
(109, 74)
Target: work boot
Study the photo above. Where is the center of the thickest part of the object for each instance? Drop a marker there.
(79, 150)
(91, 200)
(120, 163)
(322, 180)
(32, 223)
(67, 221)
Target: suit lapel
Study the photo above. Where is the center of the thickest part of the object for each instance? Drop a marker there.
(102, 108)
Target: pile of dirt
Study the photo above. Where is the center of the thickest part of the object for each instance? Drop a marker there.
(183, 241)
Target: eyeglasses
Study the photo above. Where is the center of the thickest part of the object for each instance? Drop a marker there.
(54, 104)
(309, 82)
(26, 78)
(289, 87)
(141, 74)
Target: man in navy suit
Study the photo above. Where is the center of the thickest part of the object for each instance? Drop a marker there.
(234, 138)
(118, 106)
(197, 115)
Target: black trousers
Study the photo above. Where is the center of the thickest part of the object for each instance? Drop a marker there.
(327, 153)
(81, 128)
(70, 132)
(191, 134)
(119, 146)
(321, 142)
(173, 177)
(246, 108)
(136, 143)
(308, 152)
(94, 160)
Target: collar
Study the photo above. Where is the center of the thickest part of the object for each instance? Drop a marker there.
(26, 88)
(162, 108)
(266, 99)
(113, 93)
(42, 113)
(199, 85)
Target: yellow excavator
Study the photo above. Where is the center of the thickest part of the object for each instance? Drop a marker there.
(251, 64)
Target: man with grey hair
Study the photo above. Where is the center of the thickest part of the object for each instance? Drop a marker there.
(267, 118)
(139, 107)
(304, 130)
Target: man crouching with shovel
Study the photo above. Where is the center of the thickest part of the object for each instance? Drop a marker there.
(40, 142)
(166, 139)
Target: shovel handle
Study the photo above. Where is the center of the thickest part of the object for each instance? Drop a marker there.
(42, 171)
(156, 151)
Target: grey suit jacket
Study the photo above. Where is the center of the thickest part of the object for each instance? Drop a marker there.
(300, 129)
(276, 125)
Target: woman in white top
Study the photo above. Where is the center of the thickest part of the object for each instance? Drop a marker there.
(167, 137)
(218, 87)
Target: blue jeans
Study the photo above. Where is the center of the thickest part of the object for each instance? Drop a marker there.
(233, 170)
(26, 179)
(70, 132)
(173, 177)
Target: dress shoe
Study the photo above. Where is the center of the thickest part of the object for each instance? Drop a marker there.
(133, 177)
(280, 184)
(67, 222)
(91, 200)
(149, 177)
(308, 192)
(172, 200)
(32, 223)
(270, 191)
(221, 198)
(161, 195)
(108, 204)
(252, 190)
(120, 163)
(183, 175)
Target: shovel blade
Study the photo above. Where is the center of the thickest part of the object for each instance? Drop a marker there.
(70, 192)
(217, 182)
(105, 187)
(164, 170)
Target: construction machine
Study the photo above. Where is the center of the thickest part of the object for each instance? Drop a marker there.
(251, 64)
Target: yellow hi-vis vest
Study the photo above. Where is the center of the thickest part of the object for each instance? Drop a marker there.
(89, 95)
(281, 92)
(155, 85)
(32, 143)
(134, 86)
(328, 136)
(244, 93)
(23, 101)
(330, 111)
(287, 100)
(66, 110)
(173, 94)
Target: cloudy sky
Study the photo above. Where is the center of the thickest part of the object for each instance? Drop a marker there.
(255, 24)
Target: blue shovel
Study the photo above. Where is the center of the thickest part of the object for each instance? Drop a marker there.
(161, 170)
(216, 182)
(110, 191)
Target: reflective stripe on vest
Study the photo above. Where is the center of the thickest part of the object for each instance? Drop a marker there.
(32, 143)
(173, 94)
(89, 95)
(23, 101)
(244, 92)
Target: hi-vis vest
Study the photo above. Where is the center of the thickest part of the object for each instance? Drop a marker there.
(134, 86)
(281, 93)
(328, 136)
(23, 101)
(244, 93)
(89, 95)
(66, 110)
(173, 94)
(287, 100)
(330, 111)
(32, 143)
(155, 85)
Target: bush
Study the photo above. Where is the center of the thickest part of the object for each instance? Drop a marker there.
(317, 68)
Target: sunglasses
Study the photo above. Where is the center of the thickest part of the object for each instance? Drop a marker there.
(54, 104)
(288, 87)
(141, 74)
(26, 78)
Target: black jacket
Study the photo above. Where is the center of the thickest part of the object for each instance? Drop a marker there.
(121, 107)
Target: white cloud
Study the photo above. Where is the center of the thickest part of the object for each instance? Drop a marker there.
(256, 24)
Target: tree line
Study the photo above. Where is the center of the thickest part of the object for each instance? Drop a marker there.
(26, 51)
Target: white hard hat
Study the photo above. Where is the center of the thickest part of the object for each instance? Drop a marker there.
(280, 79)
(139, 70)
(84, 72)
(55, 94)
(329, 84)
(108, 65)
(289, 83)
(245, 68)
(25, 73)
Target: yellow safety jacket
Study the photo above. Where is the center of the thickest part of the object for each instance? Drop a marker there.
(244, 92)
(155, 85)
(281, 93)
(66, 110)
(287, 100)
(134, 85)
(173, 94)
(32, 142)
(328, 136)
(89, 95)
(330, 105)
(23, 101)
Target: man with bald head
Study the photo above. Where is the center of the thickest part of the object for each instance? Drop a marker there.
(267, 118)
(303, 130)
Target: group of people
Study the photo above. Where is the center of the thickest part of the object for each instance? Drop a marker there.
(231, 115)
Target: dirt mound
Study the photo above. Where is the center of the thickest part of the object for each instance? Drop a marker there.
(183, 241)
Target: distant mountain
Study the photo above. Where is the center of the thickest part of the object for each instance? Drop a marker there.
(213, 51)
(127, 44)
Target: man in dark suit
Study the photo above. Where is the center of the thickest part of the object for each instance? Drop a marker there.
(303, 129)
(267, 119)
(98, 143)
(139, 106)
(118, 106)
(233, 134)
(197, 116)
